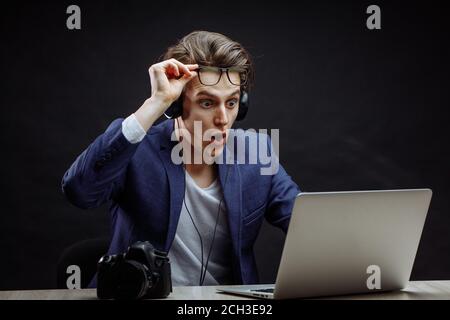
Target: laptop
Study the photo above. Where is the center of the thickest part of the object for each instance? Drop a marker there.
(347, 242)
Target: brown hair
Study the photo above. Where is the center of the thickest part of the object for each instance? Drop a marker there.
(211, 49)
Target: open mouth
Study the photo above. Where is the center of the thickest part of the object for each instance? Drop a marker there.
(219, 139)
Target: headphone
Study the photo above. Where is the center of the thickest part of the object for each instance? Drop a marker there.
(176, 108)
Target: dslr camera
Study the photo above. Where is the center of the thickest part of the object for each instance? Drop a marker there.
(141, 272)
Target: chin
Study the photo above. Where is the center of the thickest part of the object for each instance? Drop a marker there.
(216, 151)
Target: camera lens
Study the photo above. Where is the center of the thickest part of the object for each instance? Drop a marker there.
(132, 280)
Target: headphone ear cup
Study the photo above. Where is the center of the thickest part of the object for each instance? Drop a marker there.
(175, 110)
(243, 106)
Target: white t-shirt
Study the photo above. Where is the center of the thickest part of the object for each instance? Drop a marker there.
(185, 255)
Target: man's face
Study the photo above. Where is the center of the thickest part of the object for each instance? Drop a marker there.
(215, 106)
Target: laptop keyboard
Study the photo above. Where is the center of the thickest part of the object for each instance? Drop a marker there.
(269, 290)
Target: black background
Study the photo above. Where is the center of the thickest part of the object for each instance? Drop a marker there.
(357, 109)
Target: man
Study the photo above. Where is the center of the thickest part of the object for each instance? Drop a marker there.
(206, 215)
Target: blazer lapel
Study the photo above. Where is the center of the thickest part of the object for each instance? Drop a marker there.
(175, 176)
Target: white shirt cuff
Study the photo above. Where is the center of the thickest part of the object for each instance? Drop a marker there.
(132, 129)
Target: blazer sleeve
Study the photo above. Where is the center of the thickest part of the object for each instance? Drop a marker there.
(281, 197)
(99, 172)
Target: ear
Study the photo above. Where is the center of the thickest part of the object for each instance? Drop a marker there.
(185, 103)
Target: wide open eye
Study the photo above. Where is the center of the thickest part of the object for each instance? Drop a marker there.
(206, 103)
(232, 103)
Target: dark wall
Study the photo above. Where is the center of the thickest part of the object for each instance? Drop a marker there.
(356, 109)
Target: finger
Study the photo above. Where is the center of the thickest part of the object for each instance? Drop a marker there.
(173, 68)
(192, 66)
(165, 68)
(182, 66)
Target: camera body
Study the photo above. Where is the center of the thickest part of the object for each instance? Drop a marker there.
(141, 272)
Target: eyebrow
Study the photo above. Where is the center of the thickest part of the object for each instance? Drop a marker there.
(206, 93)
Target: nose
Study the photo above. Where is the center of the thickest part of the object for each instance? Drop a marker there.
(221, 116)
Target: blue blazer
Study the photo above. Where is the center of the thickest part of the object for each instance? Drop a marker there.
(144, 189)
